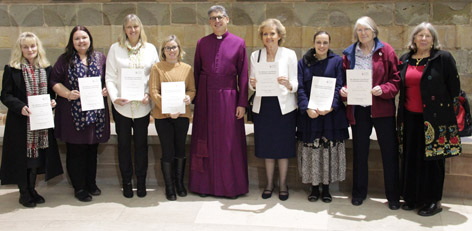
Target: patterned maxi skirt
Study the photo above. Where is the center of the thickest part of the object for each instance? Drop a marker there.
(322, 161)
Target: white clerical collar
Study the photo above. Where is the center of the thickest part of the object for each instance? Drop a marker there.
(219, 36)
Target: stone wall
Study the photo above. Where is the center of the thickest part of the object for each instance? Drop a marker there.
(52, 21)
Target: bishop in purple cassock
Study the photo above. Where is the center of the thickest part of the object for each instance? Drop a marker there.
(218, 164)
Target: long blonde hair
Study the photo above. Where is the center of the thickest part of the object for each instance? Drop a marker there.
(123, 37)
(17, 57)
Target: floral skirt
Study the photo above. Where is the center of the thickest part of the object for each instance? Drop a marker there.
(322, 161)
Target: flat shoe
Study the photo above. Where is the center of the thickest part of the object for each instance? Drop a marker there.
(356, 201)
(266, 194)
(408, 206)
(283, 195)
(430, 209)
(94, 190)
(83, 196)
(326, 197)
(314, 196)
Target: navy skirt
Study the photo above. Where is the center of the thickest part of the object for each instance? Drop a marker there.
(274, 133)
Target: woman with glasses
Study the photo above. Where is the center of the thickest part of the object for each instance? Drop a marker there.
(369, 53)
(172, 127)
(131, 54)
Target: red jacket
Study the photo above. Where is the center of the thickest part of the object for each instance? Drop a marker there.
(384, 74)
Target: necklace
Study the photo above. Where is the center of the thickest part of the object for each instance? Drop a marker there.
(418, 61)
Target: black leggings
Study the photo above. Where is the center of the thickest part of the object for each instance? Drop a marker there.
(172, 135)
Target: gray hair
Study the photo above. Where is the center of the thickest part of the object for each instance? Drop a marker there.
(367, 22)
(217, 8)
(428, 26)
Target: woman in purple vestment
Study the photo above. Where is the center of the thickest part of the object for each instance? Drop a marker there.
(82, 131)
(218, 151)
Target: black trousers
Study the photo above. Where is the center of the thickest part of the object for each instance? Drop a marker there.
(123, 127)
(172, 135)
(386, 137)
(81, 161)
(422, 180)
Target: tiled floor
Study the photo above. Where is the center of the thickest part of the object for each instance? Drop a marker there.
(111, 211)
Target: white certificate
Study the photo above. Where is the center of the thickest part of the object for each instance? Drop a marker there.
(266, 76)
(132, 84)
(322, 93)
(172, 97)
(359, 87)
(41, 112)
(91, 97)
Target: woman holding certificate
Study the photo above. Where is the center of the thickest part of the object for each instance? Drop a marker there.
(275, 111)
(172, 118)
(128, 67)
(81, 130)
(321, 131)
(27, 152)
(376, 60)
(427, 122)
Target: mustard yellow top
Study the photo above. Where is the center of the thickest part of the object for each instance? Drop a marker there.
(170, 72)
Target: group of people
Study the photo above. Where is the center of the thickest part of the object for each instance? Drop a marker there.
(423, 132)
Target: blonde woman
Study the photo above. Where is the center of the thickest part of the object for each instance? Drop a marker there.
(132, 51)
(172, 128)
(27, 153)
(274, 117)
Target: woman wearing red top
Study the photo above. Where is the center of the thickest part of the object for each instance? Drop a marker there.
(427, 124)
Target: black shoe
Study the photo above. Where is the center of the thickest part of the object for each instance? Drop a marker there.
(232, 198)
(83, 195)
(315, 194)
(326, 197)
(179, 176)
(128, 190)
(393, 205)
(141, 187)
(408, 206)
(203, 195)
(266, 194)
(357, 201)
(26, 199)
(283, 195)
(38, 199)
(94, 190)
(430, 209)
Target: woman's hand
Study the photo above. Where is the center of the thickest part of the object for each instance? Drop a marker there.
(343, 92)
(187, 100)
(253, 82)
(240, 112)
(312, 113)
(320, 112)
(376, 91)
(53, 103)
(121, 101)
(284, 81)
(145, 99)
(73, 95)
(174, 115)
(25, 111)
(104, 92)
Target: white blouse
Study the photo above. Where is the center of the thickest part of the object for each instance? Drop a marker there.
(287, 60)
(118, 58)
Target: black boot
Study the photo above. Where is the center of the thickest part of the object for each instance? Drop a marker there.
(141, 187)
(38, 199)
(168, 174)
(179, 176)
(25, 197)
(325, 195)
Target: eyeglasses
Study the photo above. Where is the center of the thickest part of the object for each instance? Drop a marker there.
(219, 17)
(171, 48)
